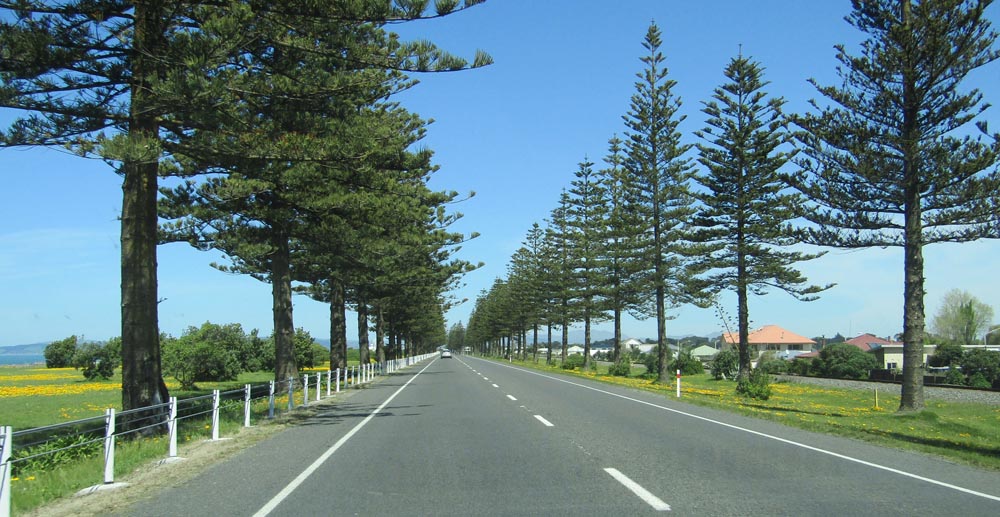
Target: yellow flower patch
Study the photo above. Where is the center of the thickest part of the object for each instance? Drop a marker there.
(48, 390)
(40, 377)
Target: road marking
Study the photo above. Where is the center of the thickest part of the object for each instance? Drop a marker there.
(485, 379)
(511, 397)
(495, 386)
(544, 421)
(285, 492)
(768, 436)
(637, 489)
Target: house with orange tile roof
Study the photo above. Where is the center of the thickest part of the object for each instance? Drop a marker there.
(770, 338)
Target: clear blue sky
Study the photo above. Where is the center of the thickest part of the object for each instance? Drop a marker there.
(513, 133)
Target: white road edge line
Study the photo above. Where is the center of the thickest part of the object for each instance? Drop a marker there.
(285, 492)
(544, 421)
(511, 397)
(637, 489)
(769, 436)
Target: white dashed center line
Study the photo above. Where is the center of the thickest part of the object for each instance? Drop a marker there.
(511, 397)
(636, 489)
(544, 421)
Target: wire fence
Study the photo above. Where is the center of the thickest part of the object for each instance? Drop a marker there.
(44, 448)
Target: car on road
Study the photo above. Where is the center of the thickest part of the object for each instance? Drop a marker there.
(446, 354)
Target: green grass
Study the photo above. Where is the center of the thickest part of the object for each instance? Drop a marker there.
(36, 397)
(964, 432)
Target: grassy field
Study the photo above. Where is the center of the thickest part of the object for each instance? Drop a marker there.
(36, 396)
(968, 433)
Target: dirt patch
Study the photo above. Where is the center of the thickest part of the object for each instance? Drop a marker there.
(148, 480)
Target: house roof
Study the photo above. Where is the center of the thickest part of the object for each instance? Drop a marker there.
(704, 351)
(769, 335)
(867, 342)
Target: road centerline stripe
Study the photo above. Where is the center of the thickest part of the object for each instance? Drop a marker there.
(285, 492)
(495, 386)
(511, 397)
(638, 490)
(544, 421)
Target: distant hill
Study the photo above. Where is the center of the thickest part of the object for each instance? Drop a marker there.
(32, 349)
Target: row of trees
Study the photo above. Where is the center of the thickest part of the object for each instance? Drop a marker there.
(290, 156)
(889, 161)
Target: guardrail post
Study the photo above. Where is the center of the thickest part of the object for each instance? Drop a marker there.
(215, 414)
(305, 390)
(338, 379)
(270, 400)
(357, 375)
(678, 384)
(172, 429)
(319, 377)
(6, 441)
(329, 382)
(246, 405)
(291, 393)
(109, 446)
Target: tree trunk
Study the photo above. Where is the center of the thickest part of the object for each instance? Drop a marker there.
(662, 375)
(379, 335)
(534, 343)
(548, 350)
(281, 294)
(742, 309)
(912, 392)
(617, 355)
(142, 378)
(565, 339)
(586, 337)
(338, 326)
(363, 332)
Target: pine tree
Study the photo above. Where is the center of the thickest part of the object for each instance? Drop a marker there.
(587, 213)
(745, 214)
(891, 162)
(658, 177)
(621, 271)
(559, 261)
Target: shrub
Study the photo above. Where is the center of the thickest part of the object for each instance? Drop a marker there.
(687, 364)
(652, 363)
(800, 366)
(97, 360)
(196, 357)
(756, 386)
(772, 365)
(573, 362)
(978, 380)
(945, 354)
(623, 368)
(954, 376)
(59, 354)
(983, 362)
(843, 361)
(725, 364)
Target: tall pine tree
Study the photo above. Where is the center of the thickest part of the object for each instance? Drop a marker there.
(745, 214)
(893, 162)
(658, 177)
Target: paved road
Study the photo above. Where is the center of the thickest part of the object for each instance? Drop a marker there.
(465, 436)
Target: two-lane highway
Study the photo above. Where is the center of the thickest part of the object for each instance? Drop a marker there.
(466, 436)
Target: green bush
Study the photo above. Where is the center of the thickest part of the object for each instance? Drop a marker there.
(983, 362)
(687, 364)
(59, 354)
(97, 360)
(978, 380)
(725, 364)
(197, 356)
(945, 354)
(772, 365)
(652, 363)
(573, 362)
(623, 368)
(954, 376)
(843, 361)
(800, 366)
(757, 386)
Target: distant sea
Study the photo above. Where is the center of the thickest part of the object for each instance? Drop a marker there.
(7, 359)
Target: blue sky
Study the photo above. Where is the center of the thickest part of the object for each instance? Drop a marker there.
(513, 133)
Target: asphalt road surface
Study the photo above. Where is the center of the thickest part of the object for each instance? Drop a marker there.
(465, 436)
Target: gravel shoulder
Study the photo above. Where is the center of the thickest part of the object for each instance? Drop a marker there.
(930, 392)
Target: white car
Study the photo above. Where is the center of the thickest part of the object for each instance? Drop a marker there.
(446, 354)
